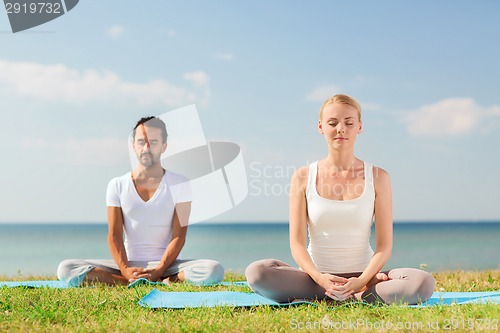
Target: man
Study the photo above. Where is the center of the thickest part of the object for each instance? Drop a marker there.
(151, 206)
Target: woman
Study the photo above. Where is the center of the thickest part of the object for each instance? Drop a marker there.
(335, 199)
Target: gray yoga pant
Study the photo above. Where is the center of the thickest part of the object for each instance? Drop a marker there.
(199, 272)
(281, 282)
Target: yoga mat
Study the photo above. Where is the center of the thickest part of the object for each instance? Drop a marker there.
(179, 300)
(143, 281)
(60, 284)
(449, 298)
(35, 284)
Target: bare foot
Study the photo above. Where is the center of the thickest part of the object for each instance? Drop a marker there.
(379, 277)
(382, 277)
(167, 281)
(179, 277)
(350, 299)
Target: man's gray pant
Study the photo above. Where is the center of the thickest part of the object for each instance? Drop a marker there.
(197, 271)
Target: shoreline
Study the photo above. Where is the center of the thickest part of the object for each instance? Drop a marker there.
(242, 223)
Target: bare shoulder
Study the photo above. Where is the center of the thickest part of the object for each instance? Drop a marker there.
(299, 177)
(380, 173)
(301, 173)
(381, 178)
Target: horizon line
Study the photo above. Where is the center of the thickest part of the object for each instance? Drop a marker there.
(241, 222)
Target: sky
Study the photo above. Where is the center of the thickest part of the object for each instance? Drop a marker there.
(427, 75)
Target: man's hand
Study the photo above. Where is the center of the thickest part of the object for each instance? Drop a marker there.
(135, 273)
(151, 274)
(155, 274)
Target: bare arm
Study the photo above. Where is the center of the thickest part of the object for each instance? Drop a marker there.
(115, 236)
(298, 232)
(383, 225)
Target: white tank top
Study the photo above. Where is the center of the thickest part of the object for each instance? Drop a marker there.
(339, 230)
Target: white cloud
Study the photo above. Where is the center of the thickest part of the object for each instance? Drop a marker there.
(224, 56)
(115, 31)
(82, 152)
(57, 83)
(171, 33)
(320, 94)
(448, 117)
(199, 78)
(34, 144)
(201, 81)
(370, 106)
(494, 110)
(95, 151)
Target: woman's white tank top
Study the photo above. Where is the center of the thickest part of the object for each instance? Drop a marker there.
(339, 230)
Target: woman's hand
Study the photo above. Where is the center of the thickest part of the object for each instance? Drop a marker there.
(330, 283)
(354, 285)
(327, 281)
(345, 291)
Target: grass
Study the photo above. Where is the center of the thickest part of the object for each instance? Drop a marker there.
(115, 309)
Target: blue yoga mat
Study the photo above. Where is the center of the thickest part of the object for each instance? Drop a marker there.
(59, 284)
(449, 298)
(35, 284)
(179, 300)
(143, 281)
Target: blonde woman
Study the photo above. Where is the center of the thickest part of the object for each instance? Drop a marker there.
(335, 200)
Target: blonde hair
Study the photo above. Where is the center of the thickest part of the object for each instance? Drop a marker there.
(343, 99)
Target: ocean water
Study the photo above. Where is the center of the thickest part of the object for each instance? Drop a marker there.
(35, 249)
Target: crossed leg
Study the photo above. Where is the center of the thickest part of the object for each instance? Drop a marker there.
(199, 271)
(281, 282)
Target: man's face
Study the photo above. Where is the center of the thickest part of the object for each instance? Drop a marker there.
(148, 145)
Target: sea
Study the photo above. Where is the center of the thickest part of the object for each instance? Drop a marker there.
(37, 249)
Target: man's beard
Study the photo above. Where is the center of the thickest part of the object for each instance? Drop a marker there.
(147, 162)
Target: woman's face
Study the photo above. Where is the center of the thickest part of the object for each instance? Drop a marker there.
(340, 124)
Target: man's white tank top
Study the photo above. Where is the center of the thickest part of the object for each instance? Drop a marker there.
(339, 230)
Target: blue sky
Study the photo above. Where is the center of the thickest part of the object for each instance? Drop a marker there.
(427, 75)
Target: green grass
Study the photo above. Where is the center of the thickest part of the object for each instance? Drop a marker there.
(115, 309)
